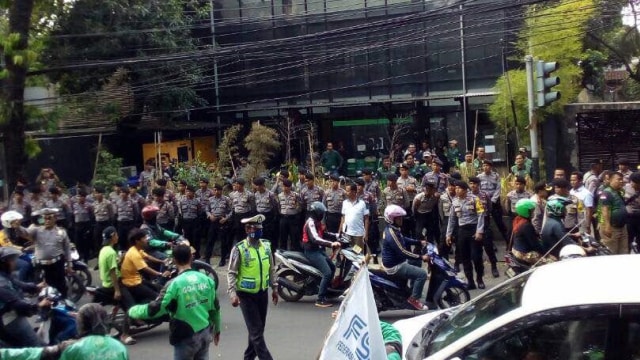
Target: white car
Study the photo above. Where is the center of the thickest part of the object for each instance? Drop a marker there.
(580, 309)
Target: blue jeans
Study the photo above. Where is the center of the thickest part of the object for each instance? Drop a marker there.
(195, 347)
(321, 261)
(417, 274)
(19, 333)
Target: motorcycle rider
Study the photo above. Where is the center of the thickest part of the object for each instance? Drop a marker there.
(14, 235)
(395, 254)
(313, 244)
(553, 230)
(15, 329)
(526, 245)
(160, 239)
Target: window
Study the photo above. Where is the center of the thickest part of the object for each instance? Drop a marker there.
(575, 339)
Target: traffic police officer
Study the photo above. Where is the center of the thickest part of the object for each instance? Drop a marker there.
(219, 213)
(333, 199)
(251, 274)
(267, 205)
(467, 212)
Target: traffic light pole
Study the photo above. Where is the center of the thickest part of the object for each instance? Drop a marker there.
(533, 127)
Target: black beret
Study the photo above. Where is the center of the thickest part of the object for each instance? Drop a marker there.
(239, 181)
(521, 180)
(392, 177)
(359, 182)
(367, 172)
(462, 184)
(217, 187)
(204, 180)
(258, 181)
(161, 182)
(286, 183)
(191, 188)
(474, 180)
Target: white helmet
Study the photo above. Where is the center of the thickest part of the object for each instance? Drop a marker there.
(391, 212)
(9, 217)
(572, 251)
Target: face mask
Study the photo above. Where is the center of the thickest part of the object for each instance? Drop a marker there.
(256, 234)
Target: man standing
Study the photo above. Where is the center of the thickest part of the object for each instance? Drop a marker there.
(52, 250)
(331, 160)
(267, 205)
(355, 217)
(453, 153)
(203, 194)
(528, 163)
(613, 213)
(189, 211)
(82, 222)
(104, 214)
(481, 156)
(251, 274)
(290, 206)
(191, 301)
(467, 212)
(592, 177)
(310, 193)
(444, 209)
(632, 200)
(570, 221)
(487, 238)
(56, 202)
(436, 177)
(219, 213)
(540, 197)
(490, 184)
(127, 212)
(146, 178)
(623, 168)
(425, 210)
(387, 168)
(513, 197)
(166, 213)
(333, 199)
(467, 168)
(244, 205)
(520, 168)
(410, 185)
(585, 201)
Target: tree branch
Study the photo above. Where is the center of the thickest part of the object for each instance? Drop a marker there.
(635, 75)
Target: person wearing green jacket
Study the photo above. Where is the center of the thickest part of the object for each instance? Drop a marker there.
(392, 341)
(160, 239)
(191, 301)
(34, 353)
(331, 160)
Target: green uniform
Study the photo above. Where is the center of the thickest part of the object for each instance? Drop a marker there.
(107, 261)
(21, 354)
(391, 336)
(96, 347)
(331, 160)
(191, 301)
(615, 201)
(383, 173)
(453, 155)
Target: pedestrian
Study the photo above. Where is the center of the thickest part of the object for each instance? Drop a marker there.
(37, 202)
(613, 214)
(632, 200)
(146, 178)
(188, 213)
(136, 197)
(585, 201)
(83, 215)
(52, 250)
(487, 236)
(355, 218)
(481, 156)
(114, 195)
(490, 183)
(267, 205)
(95, 341)
(251, 274)
(290, 207)
(244, 206)
(191, 301)
(20, 204)
(127, 212)
(277, 187)
(467, 212)
(331, 160)
(561, 188)
(219, 213)
(332, 200)
(104, 213)
(410, 185)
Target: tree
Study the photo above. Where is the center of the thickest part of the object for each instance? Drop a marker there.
(102, 30)
(554, 32)
(228, 149)
(108, 170)
(262, 144)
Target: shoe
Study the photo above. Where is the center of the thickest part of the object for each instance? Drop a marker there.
(417, 304)
(494, 272)
(481, 284)
(322, 303)
(471, 286)
(222, 263)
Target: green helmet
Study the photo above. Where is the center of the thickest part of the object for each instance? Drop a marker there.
(555, 206)
(524, 207)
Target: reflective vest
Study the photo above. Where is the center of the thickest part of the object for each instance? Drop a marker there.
(254, 266)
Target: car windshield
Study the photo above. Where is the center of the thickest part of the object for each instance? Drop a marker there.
(474, 314)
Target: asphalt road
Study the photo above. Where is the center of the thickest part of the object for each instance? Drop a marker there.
(294, 330)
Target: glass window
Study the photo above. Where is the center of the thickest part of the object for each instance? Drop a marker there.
(503, 299)
(575, 339)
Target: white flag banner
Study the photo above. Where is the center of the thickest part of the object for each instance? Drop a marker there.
(356, 333)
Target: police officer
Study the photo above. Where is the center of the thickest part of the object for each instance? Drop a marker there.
(290, 206)
(52, 250)
(56, 202)
(243, 206)
(219, 212)
(267, 205)
(490, 184)
(396, 195)
(189, 212)
(251, 274)
(191, 301)
(166, 213)
(425, 210)
(104, 212)
(444, 209)
(310, 193)
(467, 212)
(127, 212)
(332, 200)
(487, 239)
(436, 177)
(203, 193)
(82, 223)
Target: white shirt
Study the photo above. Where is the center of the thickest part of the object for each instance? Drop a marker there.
(585, 200)
(354, 213)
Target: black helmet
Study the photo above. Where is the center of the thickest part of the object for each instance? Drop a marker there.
(317, 210)
(8, 253)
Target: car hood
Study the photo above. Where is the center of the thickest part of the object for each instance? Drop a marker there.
(409, 328)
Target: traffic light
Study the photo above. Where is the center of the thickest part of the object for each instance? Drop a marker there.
(545, 83)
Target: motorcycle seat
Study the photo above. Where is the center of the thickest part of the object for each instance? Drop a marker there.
(297, 256)
(398, 280)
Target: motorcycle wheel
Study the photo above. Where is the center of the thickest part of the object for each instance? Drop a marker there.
(75, 288)
(288, 294)
(85, 275)
(453, 296)
(207, 270)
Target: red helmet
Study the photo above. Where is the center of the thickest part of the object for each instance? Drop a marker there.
(150, 212)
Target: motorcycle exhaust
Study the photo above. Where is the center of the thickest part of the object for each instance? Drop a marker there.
(289, 284)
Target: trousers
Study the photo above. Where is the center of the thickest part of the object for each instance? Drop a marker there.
(254, 311)
(55, 275)
(418, 276)
(470, 252)
(289, 230)
(320, 260)
(195, 347)
(217, 232)
(83, 239)
(191, 232)
(332, 220)
(618, 243)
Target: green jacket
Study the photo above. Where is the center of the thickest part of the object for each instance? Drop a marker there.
(391, 336)
(191, 301)
(159, 237)
(21, 354)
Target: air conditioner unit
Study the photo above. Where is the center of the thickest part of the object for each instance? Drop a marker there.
(129, 171)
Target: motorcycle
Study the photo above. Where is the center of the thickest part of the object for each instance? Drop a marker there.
(196, 264)
(296, 277)
(445, 288)
(57, 323)
(80, 268)
(75, 284)
(591, 246)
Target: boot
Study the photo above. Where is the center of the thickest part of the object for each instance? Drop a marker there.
(494, 270)
(481, 283)
(469, 275)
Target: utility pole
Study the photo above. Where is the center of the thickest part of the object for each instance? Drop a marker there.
(533, 126)
(464, 83)
(215, 69)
